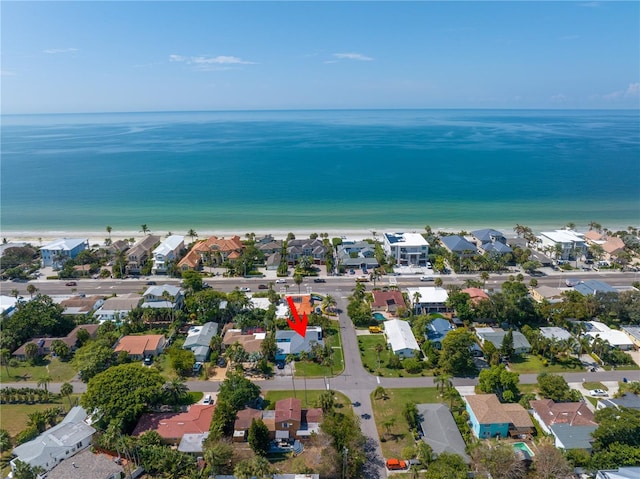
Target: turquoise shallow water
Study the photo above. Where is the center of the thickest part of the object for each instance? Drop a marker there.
(304, 169)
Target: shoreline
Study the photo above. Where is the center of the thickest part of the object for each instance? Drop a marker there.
(95, 237)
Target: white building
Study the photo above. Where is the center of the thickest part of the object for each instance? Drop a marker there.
(60, 442)
(573, 244)
(407, 248)
(400, 338)
(615, 338)
(58, 251)
(428, 299)
(166, 252)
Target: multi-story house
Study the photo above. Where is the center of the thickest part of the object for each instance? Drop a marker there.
(166, 252)
(54, 254)
(213, 251)
(406, 248)
(563, 243)
(314, 249)
(140, 252)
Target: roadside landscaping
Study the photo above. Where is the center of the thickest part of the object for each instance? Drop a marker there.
(530, 364)
(367, 345)
(56, 370)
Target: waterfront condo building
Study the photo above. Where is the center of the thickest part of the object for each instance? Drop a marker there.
(57, 252)
(406, 248)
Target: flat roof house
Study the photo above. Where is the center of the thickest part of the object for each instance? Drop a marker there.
(139, 347)
(54, 254)
(570, 242)
(54, 445)
(406, 248)
(429, 300)
(614, 337)
(400, 338)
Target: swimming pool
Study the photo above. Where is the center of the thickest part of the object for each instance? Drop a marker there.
(522, 447)
(379, 317)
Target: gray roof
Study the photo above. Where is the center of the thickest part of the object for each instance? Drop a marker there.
(290, 342)
(200, 335)
(593, 286)
(158, 291)
(555, 333)
(574, 437)
(496, 337)
(440, 431)
(488, 234)
(632, 331)
(458, 244)
(438, 329)
(628, 400)
(192, 442)
(70, 431)
(87, 465)
(497, 247)
(620, 473)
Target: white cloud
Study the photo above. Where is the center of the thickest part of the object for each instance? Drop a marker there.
(353, 56)
(632, 91)
(60, 50)
(221, 62)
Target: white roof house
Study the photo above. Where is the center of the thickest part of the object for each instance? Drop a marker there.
(166, 251)
(406, 248)
(555, 334)
(431, 299)
(261, 303)
(569, 240)
(8, 304)
(60, 442)
(400, 338)
(51, 253)
(615, 338)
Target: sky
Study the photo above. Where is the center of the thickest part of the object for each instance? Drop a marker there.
(66, 57)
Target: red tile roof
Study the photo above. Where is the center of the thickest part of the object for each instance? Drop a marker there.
(137, 345)
(572, 413)
(303, 302)
(381, 299)
(244, 418)
(289, 409)
(175, 425)
(476, 294)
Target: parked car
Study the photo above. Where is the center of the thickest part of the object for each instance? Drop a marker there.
(197, 367)
(148, 361)
(280, 365)
(245, 289)
(281, 281)
(151, 283)
(207, 399)
(396, 464)
(375, 329)
(362, 279)
(71, 283)
(263, 286)
(319, 280)
(599, 393)
(427, 278)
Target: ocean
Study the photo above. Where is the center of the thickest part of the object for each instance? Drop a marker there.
(338, 169)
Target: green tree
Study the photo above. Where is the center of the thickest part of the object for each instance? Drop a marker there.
(238, 391)
(93, 358)
(182, 360)
(192, 234)
(31, 289)
(122, 393)
(5, 358)
(269, 347)
(5, 441)
(617, 425)
(67, 390)
(498, 380)
(410, 413)
(174, 391)
(554, 386)
(506, 348)
(192, 280)
(298, 279)
(60, 349)
(550, 462)
(497, 460)
(257, 467)
(447, 466)
(23, 470)
(31, 351)
(144, 228)
(259, 437)
(218, 455)
(456, 357)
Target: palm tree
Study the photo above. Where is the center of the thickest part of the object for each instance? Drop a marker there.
(484, 276)
(297, 278)
(328, 303)
(175, 390)
(5, 356)
(144, 228)
(378, 349)
(109, 229)
(416, 301)
(44, 382)
(15, 293)
(192, 234)
(379, 393)
(438, 282)
(31, 289)
(67, 390)
(444, 380)
(388, 424)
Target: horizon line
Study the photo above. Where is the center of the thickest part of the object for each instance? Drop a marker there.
(248, 110)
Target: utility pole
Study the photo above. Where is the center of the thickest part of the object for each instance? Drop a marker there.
(345, 451)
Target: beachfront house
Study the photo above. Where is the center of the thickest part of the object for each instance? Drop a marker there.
(140, 252)
(459, 246)
(55, 254)
(490, 241)
(213, 251)
(564, 244)
(407, 249)
(166, 252)
(312, 248)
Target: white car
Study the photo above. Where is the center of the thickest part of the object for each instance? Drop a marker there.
(245, 289)
(427, 278)
(281, 281)
(599, 393)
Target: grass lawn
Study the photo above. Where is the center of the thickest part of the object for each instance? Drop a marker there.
(531, 364)
(312, 369)
(390, 409)
(370, 358)
(59, 371)
(14, 417)
(594, 385)
(313, 398)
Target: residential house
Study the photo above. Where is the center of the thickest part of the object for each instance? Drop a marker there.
(164, 296)
(400, 338)
(620, 473)
(568, 243)
(546, 293)
(475, 294)
(290, 342)
(140, 347)
(54, 254)
(491, 241)
(277, 476)
(44, 344)
(293, 422)
(313, 248)
(140, 252)
(406, 248)
(270, 247)
(117, 308)
(273, 261)
(615, 338)
(428, 299)
(555, 333)
(166, 252)
(193, 443)
(593, 286)
(88, 465)
(357, 254)
(437, 329)
(213, 251)
(634, 334)
(387, 301)
(251, 341)
(490, 418)
(173, 426)
(304, 303)
(628, 400)
(570, 423)
(496, 337)
(60, 442)
(81, 305)
(198, 339)
(440, 430)
(459, 246)
(613, 247)
(244, 418)
(8, 305)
